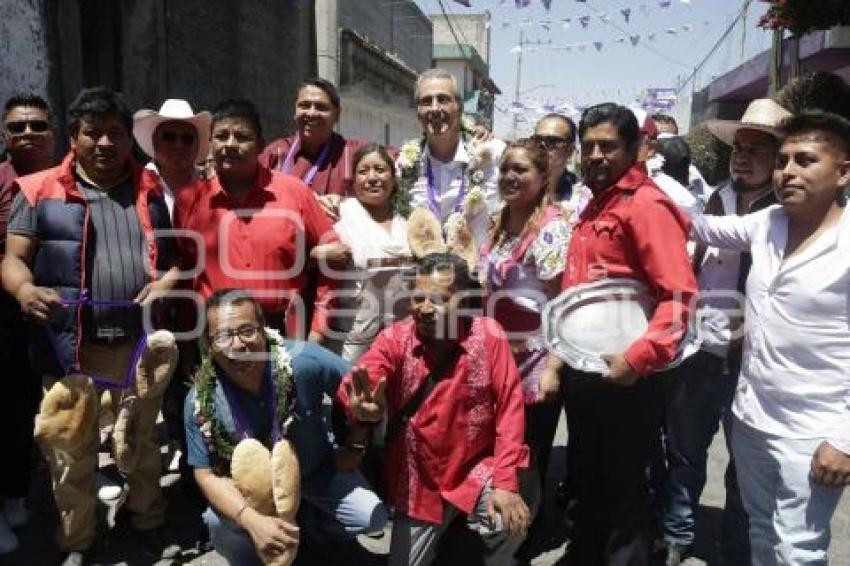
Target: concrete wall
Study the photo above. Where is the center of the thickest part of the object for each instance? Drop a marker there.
(471, 29)
(399, 26)
(203, 51)
(462, 74)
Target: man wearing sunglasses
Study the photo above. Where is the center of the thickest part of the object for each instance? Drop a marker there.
(557, 133)
(29, 140)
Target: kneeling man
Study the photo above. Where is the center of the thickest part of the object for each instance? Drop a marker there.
(455, 421)
(252, 384)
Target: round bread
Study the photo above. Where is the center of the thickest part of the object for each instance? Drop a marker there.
(424, 233)
(250, 469)
(67, 416)
(156, 364)
(286, 480)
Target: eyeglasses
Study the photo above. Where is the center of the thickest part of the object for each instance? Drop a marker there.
(247, 333)
(550, 142)
(19, 127)
(172, 137)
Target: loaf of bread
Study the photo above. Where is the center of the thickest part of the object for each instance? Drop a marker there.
(156, 364)
(424, 233)
(250, 469)
(67, 416)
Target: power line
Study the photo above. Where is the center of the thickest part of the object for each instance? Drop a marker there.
(717, 45)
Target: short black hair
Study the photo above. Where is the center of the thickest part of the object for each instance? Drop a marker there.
(677, 158)
(326, 86)
(433, 262)
(227, 297)
(238, 108)
(661, 118)
(29, 99)
(98, 101)
(621, 117)
(818, 121)
(565, 119)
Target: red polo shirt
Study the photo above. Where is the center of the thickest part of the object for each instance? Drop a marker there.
(470, 429)
(259, 242)
(632, 229)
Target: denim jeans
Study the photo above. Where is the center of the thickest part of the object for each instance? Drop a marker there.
(347, 502)
(789, 513)
(698, 396)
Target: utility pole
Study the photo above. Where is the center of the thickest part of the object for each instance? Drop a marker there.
(744, 10)
(518, 87)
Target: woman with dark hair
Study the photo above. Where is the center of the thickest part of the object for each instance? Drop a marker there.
(374, 234)
(524, 261)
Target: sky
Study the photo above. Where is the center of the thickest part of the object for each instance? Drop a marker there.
(611, 71)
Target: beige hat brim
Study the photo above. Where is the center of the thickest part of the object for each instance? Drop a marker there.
(145, 123)
(725, 130)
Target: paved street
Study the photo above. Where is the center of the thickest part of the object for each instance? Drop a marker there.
(121, 547)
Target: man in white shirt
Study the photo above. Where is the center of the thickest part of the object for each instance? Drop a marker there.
(791, 437)
(698, 393)
(451, 165)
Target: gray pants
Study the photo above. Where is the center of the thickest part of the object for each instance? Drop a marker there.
(415, 542)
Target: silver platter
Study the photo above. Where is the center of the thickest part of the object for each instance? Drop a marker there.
(603, 317)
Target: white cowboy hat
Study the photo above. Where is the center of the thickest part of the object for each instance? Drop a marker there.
(763, 114)
(145, 123)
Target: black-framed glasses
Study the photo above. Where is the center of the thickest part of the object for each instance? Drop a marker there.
(551, 142)
(18, 127)
(247, 333)
(172, 137)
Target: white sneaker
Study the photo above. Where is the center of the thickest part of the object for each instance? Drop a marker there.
(15, 512)
(8, 539)
(174, 464)
(107, 489)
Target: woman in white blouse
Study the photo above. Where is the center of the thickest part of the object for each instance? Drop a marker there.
(375, 235)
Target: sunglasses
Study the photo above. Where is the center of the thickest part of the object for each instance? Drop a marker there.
(172, 137)
(550, 142)
(36, 127)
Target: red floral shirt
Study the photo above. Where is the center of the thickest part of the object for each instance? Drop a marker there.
(632, 229)
(468, 430)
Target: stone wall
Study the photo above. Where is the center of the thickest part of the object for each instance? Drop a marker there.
(200, 50)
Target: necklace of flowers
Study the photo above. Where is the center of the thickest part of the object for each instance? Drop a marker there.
(215, 436)
(411, 161)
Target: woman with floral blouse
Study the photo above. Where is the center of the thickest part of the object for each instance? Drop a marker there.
(523, 263)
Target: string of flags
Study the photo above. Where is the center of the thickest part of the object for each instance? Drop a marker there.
(633, 40)
(626, 13)
(548, 3)
(653, 99)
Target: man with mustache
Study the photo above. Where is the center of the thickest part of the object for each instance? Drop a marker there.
(80, 234)
(450, 164)
(450, 389)
(791, 432)
(629, 229)
(314, 153)
(258, 227)
(30, 142)
(698, 393)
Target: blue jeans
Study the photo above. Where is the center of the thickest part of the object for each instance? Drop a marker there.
(346, 498)
(698, 396)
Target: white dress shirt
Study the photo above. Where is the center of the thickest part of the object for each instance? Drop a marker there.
(448, 179)
(795, 377)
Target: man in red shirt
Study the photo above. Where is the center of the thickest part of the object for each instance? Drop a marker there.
(314, 153)
(460, 450)
(256, 227)
(30, 142)
(629, 229)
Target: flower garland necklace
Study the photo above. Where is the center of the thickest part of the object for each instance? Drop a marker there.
(215, 436)
(412, 162)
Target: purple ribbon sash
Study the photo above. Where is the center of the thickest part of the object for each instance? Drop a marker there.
(289, 162)
(243, 427)
(102, 381)
(433, 203)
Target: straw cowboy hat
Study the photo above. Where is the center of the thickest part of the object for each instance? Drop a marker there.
(145, 123)
(763, 114)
